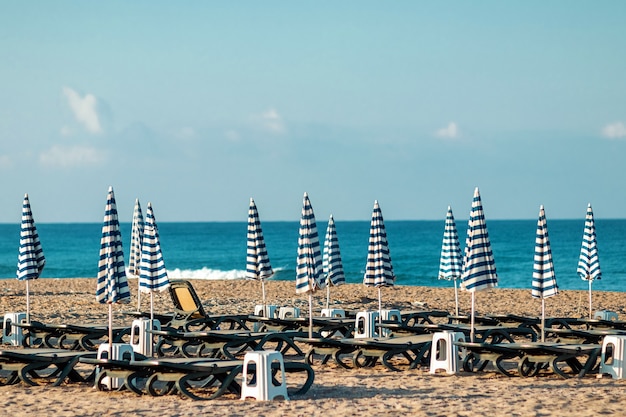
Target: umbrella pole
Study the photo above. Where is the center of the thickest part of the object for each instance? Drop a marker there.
(151, 307)
(27, 303)
(327, 296)
(590, 281)
(543, 319)
(310, 314)
(110, 330)
(380, 306)
(472, 317)
(138, 297)
(263, 290)
(456, 297)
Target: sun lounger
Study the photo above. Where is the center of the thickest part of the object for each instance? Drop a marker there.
(591, 336)
(28, 364)
(69, 336)
(411, 317)
(198, 378)
(530, 358)
(189, 314)
(484, 334)
(225, 344)
(366, 352)
(330, 325)
(369, 351)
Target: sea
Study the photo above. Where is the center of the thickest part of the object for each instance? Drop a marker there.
(217, 250)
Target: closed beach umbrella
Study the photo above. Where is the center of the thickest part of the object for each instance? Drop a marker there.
(331, 259)
(112, 286)
(136, 237)
(378, 269)
(544, 278)
(451, 262)
(309, 265)
(152, 272)
(479, 267)
(31, 260)
(589, 261)
(257, 260)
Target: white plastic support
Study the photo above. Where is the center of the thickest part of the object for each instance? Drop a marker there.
(613, 357)
(333, 312)
(390, 315)
(605, 315)
(288, 312)
(262, 385)
(444, 353)
(365, 324)
(11, 334)
(271, 311)
(141, 339)
(120, 351)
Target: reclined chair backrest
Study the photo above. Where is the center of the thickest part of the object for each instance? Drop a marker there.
(187, 304)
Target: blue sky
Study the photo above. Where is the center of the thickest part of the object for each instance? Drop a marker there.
(198, 106)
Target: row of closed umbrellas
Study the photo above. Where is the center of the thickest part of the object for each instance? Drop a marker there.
(476, 268)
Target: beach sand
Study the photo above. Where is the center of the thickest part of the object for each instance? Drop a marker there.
(337, 392)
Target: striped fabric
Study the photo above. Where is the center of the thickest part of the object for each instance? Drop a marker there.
(378, 269)
(31, 259)
(309, 265)
(152, 272)
(479, 267)
(257, 261)
(450, 262)
(331, 258)
(589, 261)
(136, 236)
(544, 278)
(112, 286)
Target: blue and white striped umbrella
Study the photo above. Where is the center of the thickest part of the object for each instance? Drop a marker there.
(309, 265)
(451, 262)
(589, 261)
(331, 259)
(257, 260)
(479, 267)
(112, 286)
(136, 237)
(31, 260)
(378, 269)
(544, 278)
(152, 272)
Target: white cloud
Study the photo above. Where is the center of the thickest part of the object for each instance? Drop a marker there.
(271, 121)
(232, 135)
(186, 132)
(615, 130)
(67, 157)
(451, 131)
(84, 109)
(5, 162)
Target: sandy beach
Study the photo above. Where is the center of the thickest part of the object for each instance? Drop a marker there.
(338, 392)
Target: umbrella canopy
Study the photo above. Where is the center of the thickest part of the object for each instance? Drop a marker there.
(451, 262)
(257, 260)
(136, 237)
(152, 272)
(31, 260)
(378, 269)
(589, 261)
(479, 267)
(331, 259)
(112, 286)
(544, 278)
(309, 265)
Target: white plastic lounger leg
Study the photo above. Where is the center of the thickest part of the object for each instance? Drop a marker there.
(613, 357)
(270, 310)
(141, 339)
(365, 326)
(262, 386)
(288, 312)
(444, 353)
(13, 335)
(605, 315)
(333, 312)
(390, 315)
(121, 351)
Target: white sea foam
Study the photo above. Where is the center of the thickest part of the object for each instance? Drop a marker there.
(206, 273)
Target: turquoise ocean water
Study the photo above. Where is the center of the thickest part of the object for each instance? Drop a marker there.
(215, 250)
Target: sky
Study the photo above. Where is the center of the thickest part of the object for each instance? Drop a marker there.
(198, 106)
